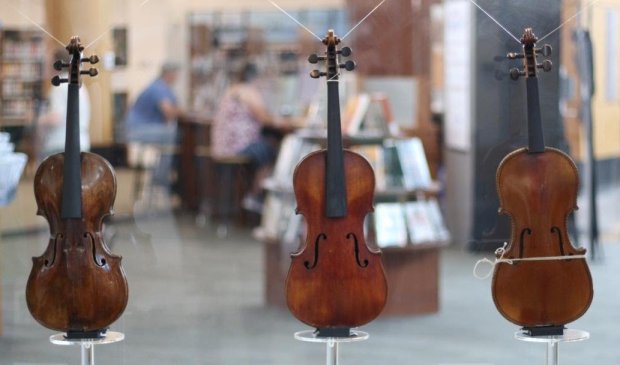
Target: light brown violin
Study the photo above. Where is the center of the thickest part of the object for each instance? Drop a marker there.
(77, 286)
(335, 282)
(548, 282)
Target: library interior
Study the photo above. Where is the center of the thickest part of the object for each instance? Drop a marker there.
(273, 181)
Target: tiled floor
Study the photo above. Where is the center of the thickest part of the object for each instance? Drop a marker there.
(198, 299)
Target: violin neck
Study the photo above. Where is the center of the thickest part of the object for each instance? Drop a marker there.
(335, 192)
(536, 141)
(71, 205)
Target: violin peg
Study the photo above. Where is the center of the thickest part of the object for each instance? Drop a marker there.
(314, 58)
(345, 51)
(92, 72)
(315, 74)
(546, 65)
(92, 59)
(56, 80)
(349, 65)
(515, 73)
(58, 65)
(546, 50)
(513, 55)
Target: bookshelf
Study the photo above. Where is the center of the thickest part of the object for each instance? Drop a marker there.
(406, 224)
(21, 73)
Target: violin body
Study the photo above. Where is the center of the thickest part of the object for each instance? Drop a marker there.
(77, 285)
(538, 191)
(335, 280)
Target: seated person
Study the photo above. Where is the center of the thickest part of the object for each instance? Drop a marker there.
(152, 119)
(243, 126)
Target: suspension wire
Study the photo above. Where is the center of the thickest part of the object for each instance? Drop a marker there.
(587, 6)
(37, 25)
(496, 22)
(364, 18)
(295, 20)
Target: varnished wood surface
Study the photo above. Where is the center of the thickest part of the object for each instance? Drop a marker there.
(77, 284)
(330, 282)
(538, 191)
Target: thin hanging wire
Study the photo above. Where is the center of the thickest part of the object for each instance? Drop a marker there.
(295, 20)
(496, 22)
(37, 25)
(587, 6)
(363, 19)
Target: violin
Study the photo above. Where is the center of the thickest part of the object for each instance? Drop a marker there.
(541, 280)
(77, 286)
(335, 281)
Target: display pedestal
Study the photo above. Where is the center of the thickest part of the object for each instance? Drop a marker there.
(552, 342)
(87, 345)
(331, 343)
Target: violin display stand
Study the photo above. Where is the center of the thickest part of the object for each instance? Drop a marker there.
(87, 345)
(331, 343)
(552, 342)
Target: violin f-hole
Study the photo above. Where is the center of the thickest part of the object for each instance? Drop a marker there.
(556, 230)
(522, 240)
(99, 262)
(321, 236)
(47, 261)
(357, 250)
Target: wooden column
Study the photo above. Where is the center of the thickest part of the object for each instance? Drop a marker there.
(89, 20)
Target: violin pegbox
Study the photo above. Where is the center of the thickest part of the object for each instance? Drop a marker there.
(332, 56)
(529, 54)
(75, 49)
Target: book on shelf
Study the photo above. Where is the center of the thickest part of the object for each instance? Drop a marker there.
(434, 213)
(419, 223)
(354, 114)
(413, 163)
(374, 155)
(379, 118)
(390, 227)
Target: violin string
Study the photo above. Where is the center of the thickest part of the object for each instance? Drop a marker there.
(363, 19)
(587, 6)
(295, 20)
(496, 22)
(37, 25)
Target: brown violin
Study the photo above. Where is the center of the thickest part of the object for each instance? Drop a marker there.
(542, 281)
(335, 282)
(77, 286)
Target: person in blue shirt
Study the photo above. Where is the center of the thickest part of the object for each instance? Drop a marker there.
(152, 119)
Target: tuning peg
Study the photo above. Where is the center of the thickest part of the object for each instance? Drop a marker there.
(515, 73)
(345, 51)
(314, 58)
(92, 72)
(315, 74)
(546, 65)
(92, 59)
(513, 55)
(349, 65)
(56, 80)
(545, 50)
(58, 65)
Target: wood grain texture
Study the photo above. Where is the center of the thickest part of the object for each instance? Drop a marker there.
(334, 281)
(77, 284)
(538, 191)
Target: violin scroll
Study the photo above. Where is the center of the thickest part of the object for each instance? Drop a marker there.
(530, 52)
(75, 49)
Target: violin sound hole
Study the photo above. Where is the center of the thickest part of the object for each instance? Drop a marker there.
(522, 240)
(98, 262)
(307, 264)
(47, 261)
(361, 264)
(557, 231)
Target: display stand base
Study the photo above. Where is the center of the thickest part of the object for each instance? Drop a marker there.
(552, 341)
(87, 345)
(331, 343)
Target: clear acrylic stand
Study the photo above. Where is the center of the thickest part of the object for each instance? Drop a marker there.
(87, 345)
(552, 342)
(331, 342)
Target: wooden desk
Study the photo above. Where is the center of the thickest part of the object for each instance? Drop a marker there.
(195, 139)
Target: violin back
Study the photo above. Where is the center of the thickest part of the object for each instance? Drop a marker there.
(538, 191)
(335, 280)
(77, 285)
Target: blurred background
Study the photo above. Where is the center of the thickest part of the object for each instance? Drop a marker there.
(204, 108)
